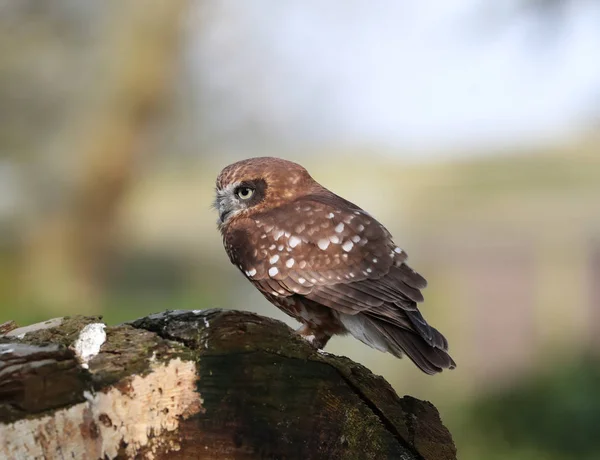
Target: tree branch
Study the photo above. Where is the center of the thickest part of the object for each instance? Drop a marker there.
(199, 384)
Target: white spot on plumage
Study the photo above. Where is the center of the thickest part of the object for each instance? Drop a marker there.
(287, 234)
(302, 264)
(334, 239)
(355, 238)
(339, 228)
(263, 236)
(397, 250)
(301, 280)
(289, 263)
(347, 246)
(278, 234)
(251, 272)
(330, 215)
(295, 289)
(369, 270)
(280, 247)
(272, 247)
(351, 274)
(294, 241)
(274, 259)
(273, 271)
(323, 243)
(360, 228)
(374, 260)
(312, 280)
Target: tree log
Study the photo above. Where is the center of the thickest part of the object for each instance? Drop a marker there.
(206, 384)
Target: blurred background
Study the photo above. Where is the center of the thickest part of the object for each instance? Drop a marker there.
(471, 129)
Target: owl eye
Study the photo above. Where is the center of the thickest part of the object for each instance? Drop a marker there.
(244, 193)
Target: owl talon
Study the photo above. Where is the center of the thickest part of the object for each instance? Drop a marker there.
(309, 338)
(316, 340)
(317, 343)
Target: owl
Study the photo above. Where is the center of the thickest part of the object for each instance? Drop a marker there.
(324, 261)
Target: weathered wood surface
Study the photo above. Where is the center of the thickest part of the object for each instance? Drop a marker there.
(207, 384)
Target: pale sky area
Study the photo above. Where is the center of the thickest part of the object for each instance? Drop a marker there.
(420, 76)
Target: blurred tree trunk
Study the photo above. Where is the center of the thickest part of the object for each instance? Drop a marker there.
(65, 247)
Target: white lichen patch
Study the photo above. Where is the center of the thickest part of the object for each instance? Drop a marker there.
(152, 405)
(20, 332)
(89, 342)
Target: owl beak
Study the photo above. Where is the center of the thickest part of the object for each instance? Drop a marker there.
(224, 205)
(223, 209)
(223, 213)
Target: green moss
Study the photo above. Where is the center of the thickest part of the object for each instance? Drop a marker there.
(129, 351)
(64, 334)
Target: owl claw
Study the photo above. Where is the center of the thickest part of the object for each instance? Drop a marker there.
(312, 339)
(309, 338)
(315, 339)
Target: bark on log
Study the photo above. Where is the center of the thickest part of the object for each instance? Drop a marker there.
(206, 384)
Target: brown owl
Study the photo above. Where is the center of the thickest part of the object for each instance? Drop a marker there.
(324, 261)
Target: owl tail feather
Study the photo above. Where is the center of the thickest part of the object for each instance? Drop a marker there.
(398, 341)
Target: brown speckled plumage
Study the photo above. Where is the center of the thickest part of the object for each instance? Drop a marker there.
(324, 261)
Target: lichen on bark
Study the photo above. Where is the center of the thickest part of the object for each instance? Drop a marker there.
(240, 386)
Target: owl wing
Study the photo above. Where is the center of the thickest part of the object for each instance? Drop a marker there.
(327, 250)
(332, 252)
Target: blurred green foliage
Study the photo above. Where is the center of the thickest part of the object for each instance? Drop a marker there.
(554, 414)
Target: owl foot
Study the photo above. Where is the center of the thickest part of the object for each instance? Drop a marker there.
(317, 339)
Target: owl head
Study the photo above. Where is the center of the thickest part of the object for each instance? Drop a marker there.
(257, 184)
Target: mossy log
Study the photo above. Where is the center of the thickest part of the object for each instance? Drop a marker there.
(206, 384)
